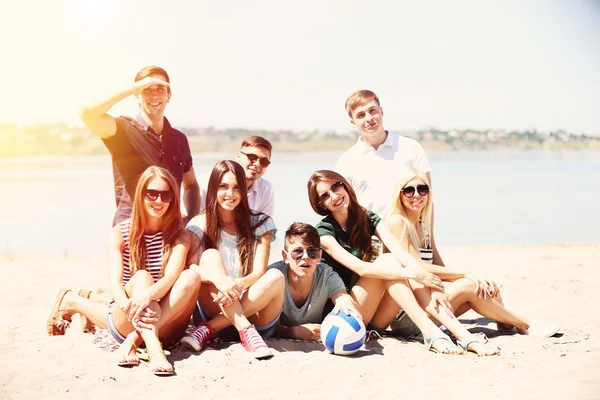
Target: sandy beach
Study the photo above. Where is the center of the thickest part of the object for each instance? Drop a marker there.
(555, 283)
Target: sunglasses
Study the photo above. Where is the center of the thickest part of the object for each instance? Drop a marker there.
(335, 188)
(409, 191)
(297, 254)
(263, 161)
(166, 196)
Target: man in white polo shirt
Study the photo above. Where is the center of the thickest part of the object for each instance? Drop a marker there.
(372, 164)
(254, 156)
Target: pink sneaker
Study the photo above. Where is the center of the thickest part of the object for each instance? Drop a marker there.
(254, 343)
(196, 339)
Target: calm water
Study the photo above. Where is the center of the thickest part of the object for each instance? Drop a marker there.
(65, 204)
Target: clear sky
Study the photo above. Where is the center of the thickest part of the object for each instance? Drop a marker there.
(277, 64)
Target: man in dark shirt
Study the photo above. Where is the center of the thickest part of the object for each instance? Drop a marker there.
(149, 139)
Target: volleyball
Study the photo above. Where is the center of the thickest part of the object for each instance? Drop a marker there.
(342, 334)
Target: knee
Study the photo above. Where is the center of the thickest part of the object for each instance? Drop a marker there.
(274, 278)
(142, 276)
(190, 280)
(210, 255)
(465, 285)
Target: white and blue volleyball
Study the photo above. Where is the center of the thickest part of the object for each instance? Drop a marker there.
(342, 334)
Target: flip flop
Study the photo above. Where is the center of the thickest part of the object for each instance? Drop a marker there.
(86, 324)
(57, 324)
(429, 340)
(478, 339)
(157, 372)
(126, 363)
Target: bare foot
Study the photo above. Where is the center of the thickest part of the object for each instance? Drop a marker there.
(128, 353)
(476, 345)
(159, 365)
(442, 344)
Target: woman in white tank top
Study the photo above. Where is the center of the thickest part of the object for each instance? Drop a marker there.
(230, 251)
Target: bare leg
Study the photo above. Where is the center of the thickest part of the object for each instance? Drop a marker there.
(462, 295)
(95, 311)
(423, 296)
(177, 305)
(140, 281)
(262, 302)
(368, 294)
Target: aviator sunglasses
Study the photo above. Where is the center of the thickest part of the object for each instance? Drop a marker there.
(312, 252)
(263, 161)
(335, 188)
(409, 191)
(166, 196)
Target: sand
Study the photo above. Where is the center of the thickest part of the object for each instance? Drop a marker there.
(555, 283)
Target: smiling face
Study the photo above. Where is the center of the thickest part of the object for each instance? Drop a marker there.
(368, 119)
(154, 99)
(297, 257)
(253, 169)
(158, 207)
(229, 194)
(418, 201)
(333, 196)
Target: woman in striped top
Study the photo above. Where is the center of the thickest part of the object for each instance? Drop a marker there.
(151, 291)
(230, 251)
(410, 220)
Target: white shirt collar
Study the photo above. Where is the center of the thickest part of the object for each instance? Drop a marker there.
(388, 142)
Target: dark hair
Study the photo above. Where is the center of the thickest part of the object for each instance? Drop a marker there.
(305, 233)
(245, 231)
(257, 141)
(358, 229)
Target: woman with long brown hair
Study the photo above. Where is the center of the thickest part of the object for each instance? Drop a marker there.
(153, 296)
(394, 280)
(230, 250)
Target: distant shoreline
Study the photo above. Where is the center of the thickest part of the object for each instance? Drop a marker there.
(225, 144)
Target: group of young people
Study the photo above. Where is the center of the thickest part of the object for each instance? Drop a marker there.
(209, 265)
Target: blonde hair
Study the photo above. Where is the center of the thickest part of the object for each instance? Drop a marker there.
(172, 221)
(396, 206)
(360, 98)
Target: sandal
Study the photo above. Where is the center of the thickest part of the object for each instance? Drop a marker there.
(57, 323)
(128, 361)
(160, 372)
(429, 340)
(479, 340)
(86, 324)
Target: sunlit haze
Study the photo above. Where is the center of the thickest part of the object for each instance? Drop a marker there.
(291, 65)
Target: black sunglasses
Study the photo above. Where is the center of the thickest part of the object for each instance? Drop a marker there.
(409, 191)
(166, 196)
(297, 254)
(263, 161)
(335, 188)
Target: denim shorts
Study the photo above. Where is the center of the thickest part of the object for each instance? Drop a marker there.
(111, 324)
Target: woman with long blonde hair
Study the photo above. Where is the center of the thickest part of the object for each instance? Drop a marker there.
(394, 280)
(153, 296)
(410, 223)
(230, 250)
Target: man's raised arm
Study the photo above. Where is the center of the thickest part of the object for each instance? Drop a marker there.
(96, 117)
